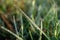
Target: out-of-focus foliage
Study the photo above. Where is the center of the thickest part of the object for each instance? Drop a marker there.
(30, 19)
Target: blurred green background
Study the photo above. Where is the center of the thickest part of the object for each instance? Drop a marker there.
(30, 19)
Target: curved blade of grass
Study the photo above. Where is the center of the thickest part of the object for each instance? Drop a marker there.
(30, 35)
(41, 29)
(21, 24)
(11, 32)
(15, 25)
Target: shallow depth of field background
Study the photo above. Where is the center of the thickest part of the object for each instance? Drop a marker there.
(29, 19)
